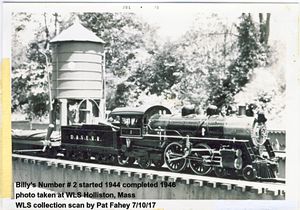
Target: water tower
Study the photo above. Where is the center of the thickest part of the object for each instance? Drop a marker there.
(78, 76)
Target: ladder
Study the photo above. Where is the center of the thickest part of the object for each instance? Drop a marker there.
(251, 154)
(269, 148)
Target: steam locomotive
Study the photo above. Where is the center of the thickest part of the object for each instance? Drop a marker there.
(228, 145)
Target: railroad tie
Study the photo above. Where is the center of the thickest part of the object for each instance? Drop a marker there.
(63, 165)
(260, 190)
(214, 184)
(227, 186)
(99, 170)
(32, 161)
(187, 181)
(129, 173)
(80, 167)
(151, 176)
(70, 166)
(141, 175)
(200, 182)
(108, 170)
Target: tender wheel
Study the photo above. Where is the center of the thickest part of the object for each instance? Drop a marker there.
(52, 153)
(197, 166)
(98, 158)
(86, 156)
(221, 172)
(125, 160)
(158, 163)
(71, 155)
(172, 151)
(249, 173)
(131, 160)
(68, 155)
(144, 163)
(79, 156)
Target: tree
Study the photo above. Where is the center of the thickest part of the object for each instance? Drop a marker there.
(264, 28)
(251, 54)
(30, 93)
(19, 23)
(205, 51)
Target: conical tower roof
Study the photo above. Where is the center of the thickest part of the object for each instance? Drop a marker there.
(77, 32)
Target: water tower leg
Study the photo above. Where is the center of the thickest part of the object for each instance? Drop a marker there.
(102, 109)
(63, 112)
(53, 114)
(89, 114)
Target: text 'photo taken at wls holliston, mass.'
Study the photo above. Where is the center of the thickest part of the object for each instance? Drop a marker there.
(147, 105)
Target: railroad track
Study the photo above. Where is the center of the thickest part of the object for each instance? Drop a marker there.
(277, 188)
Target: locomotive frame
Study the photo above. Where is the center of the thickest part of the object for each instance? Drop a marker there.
(152, 135)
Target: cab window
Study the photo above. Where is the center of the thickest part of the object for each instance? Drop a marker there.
(114, 119)
(131, 121)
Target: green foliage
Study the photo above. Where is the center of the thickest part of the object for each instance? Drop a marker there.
(251, 54)
(210, 64)
(206, 51)
(159, 73)
(30, 94)
(30, 91)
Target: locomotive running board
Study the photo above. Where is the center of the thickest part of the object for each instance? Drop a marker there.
(216, 160)
(29, 150)
(197, 138)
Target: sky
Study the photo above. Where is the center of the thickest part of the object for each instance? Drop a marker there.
(174, 23)
(172, 19)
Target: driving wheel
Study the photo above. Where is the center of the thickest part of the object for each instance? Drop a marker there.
(173, 157)
(198, 166)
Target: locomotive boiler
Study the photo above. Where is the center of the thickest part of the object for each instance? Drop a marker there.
(229, 127)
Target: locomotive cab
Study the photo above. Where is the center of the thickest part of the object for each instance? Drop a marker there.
(134, 121)
(133, 124)
(130, 124)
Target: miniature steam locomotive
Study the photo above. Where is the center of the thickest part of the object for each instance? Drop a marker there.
(228, 145)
